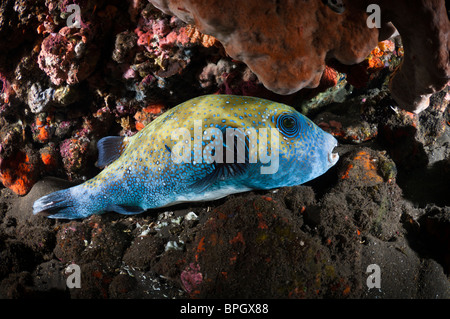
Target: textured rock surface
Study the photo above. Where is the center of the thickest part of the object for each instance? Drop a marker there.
(287, 43)
(424, 27)
(386, 201)
(284, 43)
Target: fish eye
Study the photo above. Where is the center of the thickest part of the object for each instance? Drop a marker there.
(289, 124)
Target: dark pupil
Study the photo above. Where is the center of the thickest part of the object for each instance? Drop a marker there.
(288, 123)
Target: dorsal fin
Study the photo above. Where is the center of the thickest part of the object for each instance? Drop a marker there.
(109, 149)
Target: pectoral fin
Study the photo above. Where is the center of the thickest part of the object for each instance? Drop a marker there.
(228, 168)
(109, 149)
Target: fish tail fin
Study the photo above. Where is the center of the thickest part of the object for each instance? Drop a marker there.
(63, 204)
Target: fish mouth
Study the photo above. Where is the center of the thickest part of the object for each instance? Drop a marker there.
(333, 157)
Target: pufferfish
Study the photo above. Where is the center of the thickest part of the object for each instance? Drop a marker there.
(203, 149)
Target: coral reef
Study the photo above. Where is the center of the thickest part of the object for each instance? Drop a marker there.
(385, 202)
(275, 38)
(76, 91)
(68, 56)
(291, 51)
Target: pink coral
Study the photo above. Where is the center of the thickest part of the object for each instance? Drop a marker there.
(160, 27)
(63, 56)
(74, 152)
(144, 38)
(169, 41)
(156, 36)
(5, 88)
(191, 277)
(159, 35)
(56, 57)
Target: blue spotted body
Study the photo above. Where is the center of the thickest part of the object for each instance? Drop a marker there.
(144, 171)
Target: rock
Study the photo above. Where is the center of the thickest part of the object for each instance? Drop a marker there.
(62, 89)
(95, 282)
(39, 100)
(61, 59)
(36, 233)
(419, 145)
(403, 275)
(24, 206)
(125, 43)
(16, 257)
(49, 279)
(295, 60)
(238, 254)
(143, 285)
(93, 240)
(435, 228)
(144, 252)
(17, 285)
(123, 286)
(425, 69)
(347, 127)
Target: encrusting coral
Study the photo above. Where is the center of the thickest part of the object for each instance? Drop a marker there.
(287, 46)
